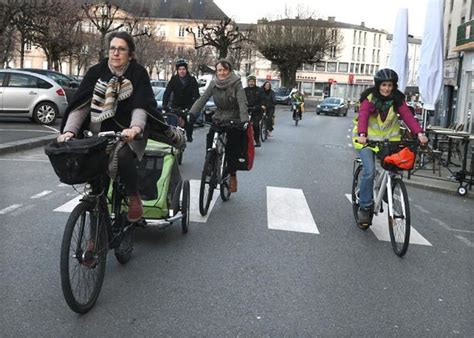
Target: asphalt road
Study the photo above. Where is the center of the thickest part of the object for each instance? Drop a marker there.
(18, 129)
(234, 274)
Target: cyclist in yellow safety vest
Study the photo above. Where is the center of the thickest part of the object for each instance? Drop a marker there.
(378, 120)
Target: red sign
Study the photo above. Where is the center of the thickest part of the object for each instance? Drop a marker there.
(330, 81)
(351, 78)
(269, 77)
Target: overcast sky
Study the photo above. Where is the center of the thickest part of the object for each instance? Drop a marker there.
(378, 14)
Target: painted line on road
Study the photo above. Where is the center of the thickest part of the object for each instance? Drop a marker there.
(23, 210)
(348, 136)
(449, 228)
(350, 145)
(10, 208)
(52, 128)
(63, 185)
(69, 206)
(41, 194)
(194, 214)
(288, 210)
(380, 228)
(349, 130)
(465, 241)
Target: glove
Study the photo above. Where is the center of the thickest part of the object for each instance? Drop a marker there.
(176, 137)
(244, 125)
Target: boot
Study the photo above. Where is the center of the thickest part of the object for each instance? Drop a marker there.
(233, 183)
(135, 209)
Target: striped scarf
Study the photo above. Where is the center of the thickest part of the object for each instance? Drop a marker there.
(106, 96)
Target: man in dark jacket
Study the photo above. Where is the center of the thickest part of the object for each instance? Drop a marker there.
(254, 100)
(185, 90)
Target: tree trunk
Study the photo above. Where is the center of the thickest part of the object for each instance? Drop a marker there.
(22, 52)
(102, 47)
(288, 75)
(223, 53)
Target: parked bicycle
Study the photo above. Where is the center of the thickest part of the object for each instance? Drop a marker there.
(97, 224)
(215, 171)
(389, 188)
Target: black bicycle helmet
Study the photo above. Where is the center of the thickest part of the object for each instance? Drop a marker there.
(181, 62)
(385, 74)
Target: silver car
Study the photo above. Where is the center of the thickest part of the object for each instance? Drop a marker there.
(31, 95)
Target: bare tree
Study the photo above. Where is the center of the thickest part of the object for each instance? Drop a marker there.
(24, 24)
(54, 23)
(199, 59)
(289, 43)
(8, 10)
(224, 36)
(106, 18)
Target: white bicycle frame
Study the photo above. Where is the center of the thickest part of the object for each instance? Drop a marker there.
(383, 182)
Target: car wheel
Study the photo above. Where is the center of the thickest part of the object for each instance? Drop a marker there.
(45, 113)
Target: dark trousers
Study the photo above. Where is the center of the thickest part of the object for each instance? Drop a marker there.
(127, 169)
(270, 118)
(232, 146)
(256, 117)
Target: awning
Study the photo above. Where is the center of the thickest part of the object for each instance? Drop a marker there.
(463, 47)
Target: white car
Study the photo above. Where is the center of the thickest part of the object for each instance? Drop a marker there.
(26, 94)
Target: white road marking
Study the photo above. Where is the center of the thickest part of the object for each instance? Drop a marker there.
(41, 194)
(349, 129)
(63, 185)
(69, 206)
(32, 130)
(348, 136)
(10, 208)
(380, 228)
(51, 128)
(465, 241)
(194, 214)
(288, 210)
(22, 210)
(350, 145)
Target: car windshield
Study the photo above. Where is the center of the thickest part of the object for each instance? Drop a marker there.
(331, 100)
(282, 91)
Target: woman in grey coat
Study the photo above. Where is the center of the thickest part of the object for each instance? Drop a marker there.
(231, 101)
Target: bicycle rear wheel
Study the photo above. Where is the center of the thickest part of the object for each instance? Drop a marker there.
(208, 182)
(399, 223)
(83, 258)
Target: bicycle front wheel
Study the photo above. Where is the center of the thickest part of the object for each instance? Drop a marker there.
(208, 182)
(263, 130)
(399, 222)
(83, 258)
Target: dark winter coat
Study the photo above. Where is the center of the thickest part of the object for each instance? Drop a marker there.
(254, 97)
(184, 96)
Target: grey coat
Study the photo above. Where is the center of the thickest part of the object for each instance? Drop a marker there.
(229, 97)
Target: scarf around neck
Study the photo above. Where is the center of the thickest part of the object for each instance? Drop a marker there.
(227, 82)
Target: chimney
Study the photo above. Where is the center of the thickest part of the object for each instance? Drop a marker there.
(331, 18)
(362, 23)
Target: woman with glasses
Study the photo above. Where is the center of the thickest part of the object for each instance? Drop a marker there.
(115, 95)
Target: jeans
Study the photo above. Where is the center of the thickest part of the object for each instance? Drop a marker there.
(366, 193)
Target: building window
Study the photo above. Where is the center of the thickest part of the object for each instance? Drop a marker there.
(373, 55)
(463, 20)
(307, 88)
(372, 69)
(321, 66)
(355, 38)
(331, 67)
(162, 31)
(362, 68)
(360, 38)
(363, 54)
(28, 47)
(375, 40)
(448, 36)
(451, 6)
(180, 50)
(365, 38)
(378, 56)
(356, 70)
(309, 67)
(351, 68)
(358, 54)
(380, 40)
(343, 67)
(333, 52)
(181, 31)
(199, 33)
(353, 53)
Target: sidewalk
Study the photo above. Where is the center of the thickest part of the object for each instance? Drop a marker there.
(425, 178)
(11, 147)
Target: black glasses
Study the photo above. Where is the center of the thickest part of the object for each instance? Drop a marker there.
(120, 50)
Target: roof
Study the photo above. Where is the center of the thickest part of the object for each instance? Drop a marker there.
(170, 9)
(332, 23)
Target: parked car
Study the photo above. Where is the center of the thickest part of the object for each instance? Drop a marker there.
(159, 83)
(26, 94)
(282, 95)
(68, 83)
(332, 105)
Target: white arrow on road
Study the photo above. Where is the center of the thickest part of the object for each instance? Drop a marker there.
(380, 228)
(288, 210)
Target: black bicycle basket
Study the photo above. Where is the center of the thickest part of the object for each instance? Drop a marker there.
(78, 161)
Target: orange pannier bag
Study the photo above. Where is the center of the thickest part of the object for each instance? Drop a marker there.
(404, 159)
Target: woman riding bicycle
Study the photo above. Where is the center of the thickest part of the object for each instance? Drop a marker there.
(115, 95)
(269, 102)
(378, 121)
(230, 99)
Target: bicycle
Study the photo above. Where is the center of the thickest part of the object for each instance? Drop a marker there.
(389, 188)
(97, 224)
(215, 169)
(263, 126)
(297, 112)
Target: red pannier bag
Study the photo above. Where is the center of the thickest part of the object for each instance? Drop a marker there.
(404, 159)
(241, 148)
